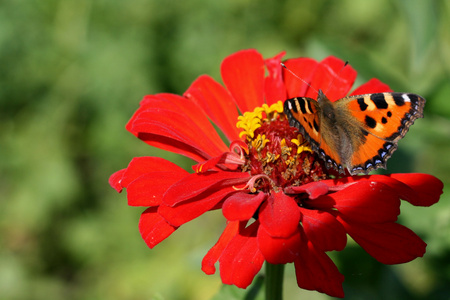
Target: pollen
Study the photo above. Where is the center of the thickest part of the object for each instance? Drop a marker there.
(278, 155)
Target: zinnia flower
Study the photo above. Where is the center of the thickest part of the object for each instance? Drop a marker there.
(280, 202)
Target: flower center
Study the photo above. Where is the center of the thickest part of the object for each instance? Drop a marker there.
(277, 150)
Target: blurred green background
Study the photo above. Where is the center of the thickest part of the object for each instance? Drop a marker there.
(72, 72)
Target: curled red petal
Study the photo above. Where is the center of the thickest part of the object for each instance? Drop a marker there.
(208, 165)
(273, 84)
(323, 230)
(197, 183)
(153, 228)
(115, 180)
(149, 189)
(217, 103)
(242, 206)
(241, 260)
(195, 207)
(279, 250)
(313, 189)
(304, 68)
(316, 271)
(372, 86)
(280, 215)
(227, 161)
(243, 75)
(216, 251)
(389, 243)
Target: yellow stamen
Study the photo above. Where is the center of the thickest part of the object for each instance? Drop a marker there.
(300, 142)
(251, 121)
(270, 157)
(259, 142)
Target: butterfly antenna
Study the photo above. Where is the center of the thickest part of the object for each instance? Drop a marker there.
(299, 78)
(337, 75)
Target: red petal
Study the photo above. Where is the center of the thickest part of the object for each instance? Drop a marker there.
(153, 124)
(217, 103)
(243, 75)
(313, 189)
(280, 215)
(279, 250)
(367, 201)
(153, 228)
(115, 180)
(241, 260)
(173, 123)
(216, 251)
(148, 190)
(242, 206)
(273, 83)
(418, 189)
(139, 166)
(188, 210)
(323, 230)
(316, 271)
(426, 188)
(372, 86)
(332, 78)
(389, 243)
(184, 106)
(197, 183)
(304, 68)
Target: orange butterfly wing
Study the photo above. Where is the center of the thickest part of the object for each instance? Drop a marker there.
(385, 119)
(304, 114)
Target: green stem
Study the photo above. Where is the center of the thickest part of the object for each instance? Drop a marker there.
(274, 281)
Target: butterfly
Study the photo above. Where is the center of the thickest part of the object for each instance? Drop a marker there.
(356, 133)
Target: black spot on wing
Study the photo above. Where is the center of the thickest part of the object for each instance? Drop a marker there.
(302, 105)
(309, 106)
(379, 101)
(383, 120)
(370, 122)
(316, 126)
(398, 99)
(362, 105)
(389, 114)
(414, 98)
(416, 111)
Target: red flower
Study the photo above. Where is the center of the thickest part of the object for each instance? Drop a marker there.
(280, 203)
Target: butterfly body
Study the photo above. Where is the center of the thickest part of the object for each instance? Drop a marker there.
(356, 133)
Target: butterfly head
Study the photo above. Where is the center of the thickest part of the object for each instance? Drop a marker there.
(321, 96)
